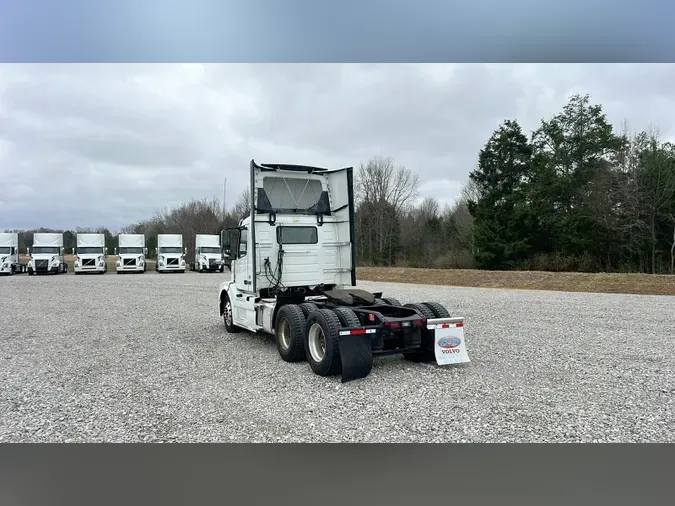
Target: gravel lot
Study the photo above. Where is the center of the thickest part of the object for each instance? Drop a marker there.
(146, 358)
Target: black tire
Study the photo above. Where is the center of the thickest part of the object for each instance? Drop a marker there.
(437, 309)
(308, 307)
(421, 309)
(327, 321)
(347, 317)
(289, 333)
(426, 354)
(391, 301)
(227, 317)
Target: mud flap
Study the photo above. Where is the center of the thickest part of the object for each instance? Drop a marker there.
(355, 353)
(449, 344)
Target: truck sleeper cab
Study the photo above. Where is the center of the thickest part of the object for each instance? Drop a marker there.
(207, 254)
(47, 255)
(299, 281)
(131, 253)
(170, 253)
(9, 254)
(90, 254)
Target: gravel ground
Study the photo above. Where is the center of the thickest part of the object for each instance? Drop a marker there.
(146, 358)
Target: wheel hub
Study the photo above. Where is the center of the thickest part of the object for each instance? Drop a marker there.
(284, 334)
(317, 342)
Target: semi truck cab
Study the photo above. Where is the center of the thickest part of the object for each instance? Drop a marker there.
(90, 254)
(47, 254)
(131, 252)
(170, 253)
(207, 254)
(294, 276)
(9, 254)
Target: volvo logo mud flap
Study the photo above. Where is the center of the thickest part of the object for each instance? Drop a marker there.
(355, 353)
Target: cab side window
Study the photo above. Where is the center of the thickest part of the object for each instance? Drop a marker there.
(243, 243)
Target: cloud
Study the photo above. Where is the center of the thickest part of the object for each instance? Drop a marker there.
(108, 144)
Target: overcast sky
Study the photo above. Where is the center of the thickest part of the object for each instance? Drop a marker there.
(108, 144)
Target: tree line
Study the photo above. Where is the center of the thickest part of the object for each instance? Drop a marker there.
(574, 195)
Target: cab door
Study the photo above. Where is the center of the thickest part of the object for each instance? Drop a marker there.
(242, 270)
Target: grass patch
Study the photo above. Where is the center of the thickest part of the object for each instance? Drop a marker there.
(643, 284)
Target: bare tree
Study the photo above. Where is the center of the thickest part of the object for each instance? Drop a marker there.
(242, 207)
(383, 193)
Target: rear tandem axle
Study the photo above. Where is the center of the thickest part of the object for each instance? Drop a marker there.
(337, 335)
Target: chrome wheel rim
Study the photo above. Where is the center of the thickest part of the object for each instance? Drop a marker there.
(317, 343)
(284, 334)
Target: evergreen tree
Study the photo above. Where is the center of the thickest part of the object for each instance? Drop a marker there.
(502, 220)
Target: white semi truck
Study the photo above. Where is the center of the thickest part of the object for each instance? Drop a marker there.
(90, 254)
(170, 253)
(208, 256)
(9, 254)
(47, 254)
(294, 276)
(131, 252)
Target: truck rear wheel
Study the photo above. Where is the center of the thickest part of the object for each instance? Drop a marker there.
(426, 351)
(322, 342)
(347, 317)
(227, 317)
(391, 301)
(421, 309)
(437, 309)
(289, 330)
(308, 307)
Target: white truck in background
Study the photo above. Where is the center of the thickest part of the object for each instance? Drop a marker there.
(170, 253)
(90, 254)
(47, 255)
(208, 256)
(9, 254)
(131, 252)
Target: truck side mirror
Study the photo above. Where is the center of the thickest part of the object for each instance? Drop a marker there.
(145, 250)
(28, 251)
(115, 250)
(185, 249)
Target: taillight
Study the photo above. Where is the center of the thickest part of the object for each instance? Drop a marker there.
(420, 323)
(395, 326)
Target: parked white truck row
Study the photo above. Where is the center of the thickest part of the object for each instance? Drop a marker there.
(47, 255)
